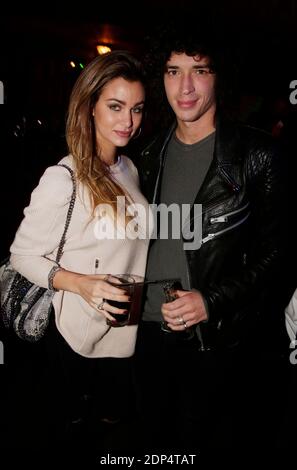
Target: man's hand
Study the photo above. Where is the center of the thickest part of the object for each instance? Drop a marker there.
(185, 311)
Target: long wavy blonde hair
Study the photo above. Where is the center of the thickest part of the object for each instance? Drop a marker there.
(80, 129)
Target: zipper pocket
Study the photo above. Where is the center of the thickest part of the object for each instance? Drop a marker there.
(211, 236)
(224, 218)
(96, 266)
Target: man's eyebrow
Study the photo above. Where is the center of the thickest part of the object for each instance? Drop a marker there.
(201, 66)
(167, 66)
(196, 66)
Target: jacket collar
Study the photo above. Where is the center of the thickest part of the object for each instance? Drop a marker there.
(226, 142)
(225, 164)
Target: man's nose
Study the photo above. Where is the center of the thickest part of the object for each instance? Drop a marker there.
(187, 84)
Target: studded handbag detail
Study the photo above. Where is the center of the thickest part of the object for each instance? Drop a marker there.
(25, 306)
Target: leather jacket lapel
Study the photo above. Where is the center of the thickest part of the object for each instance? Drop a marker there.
(224, 175)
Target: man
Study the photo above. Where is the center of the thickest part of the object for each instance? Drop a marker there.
(196, 388)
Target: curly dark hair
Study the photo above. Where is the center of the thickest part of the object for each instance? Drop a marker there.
(193, 40)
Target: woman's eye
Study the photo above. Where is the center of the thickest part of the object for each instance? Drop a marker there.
(114, 107)
(137, 110)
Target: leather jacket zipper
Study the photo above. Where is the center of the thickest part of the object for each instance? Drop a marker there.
(235, 186)
(211, 236)
(224, 217)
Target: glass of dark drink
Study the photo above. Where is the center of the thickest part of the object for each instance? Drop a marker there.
(127, 283)
(170, 287)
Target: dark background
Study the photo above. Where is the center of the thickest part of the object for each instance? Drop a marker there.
(37, 44)
(39, 41)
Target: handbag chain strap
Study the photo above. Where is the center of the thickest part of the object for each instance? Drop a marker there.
(69, 214)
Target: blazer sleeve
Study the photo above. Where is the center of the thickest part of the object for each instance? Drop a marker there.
(38, 236)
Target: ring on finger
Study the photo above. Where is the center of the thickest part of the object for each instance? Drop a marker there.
(180, 320)
(185, 325)
(101, 305)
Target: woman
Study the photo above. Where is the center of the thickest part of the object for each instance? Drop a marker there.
(105, 112)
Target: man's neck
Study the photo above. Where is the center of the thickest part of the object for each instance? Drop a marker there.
(193, 132)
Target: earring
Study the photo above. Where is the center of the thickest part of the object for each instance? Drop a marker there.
(135, 136)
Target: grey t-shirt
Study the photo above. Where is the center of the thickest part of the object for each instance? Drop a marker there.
(184, 172)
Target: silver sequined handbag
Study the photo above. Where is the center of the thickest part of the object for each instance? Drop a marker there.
(26, 307)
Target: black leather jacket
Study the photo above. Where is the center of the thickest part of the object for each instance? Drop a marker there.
(242, 198)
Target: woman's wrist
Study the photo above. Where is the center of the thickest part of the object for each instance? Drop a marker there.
(66, 280)
(51, 276)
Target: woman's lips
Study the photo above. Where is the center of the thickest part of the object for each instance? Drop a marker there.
(123, 133)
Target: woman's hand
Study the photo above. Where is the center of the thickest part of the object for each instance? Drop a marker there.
(93, 289)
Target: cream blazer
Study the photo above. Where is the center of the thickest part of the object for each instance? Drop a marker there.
(92, 247)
